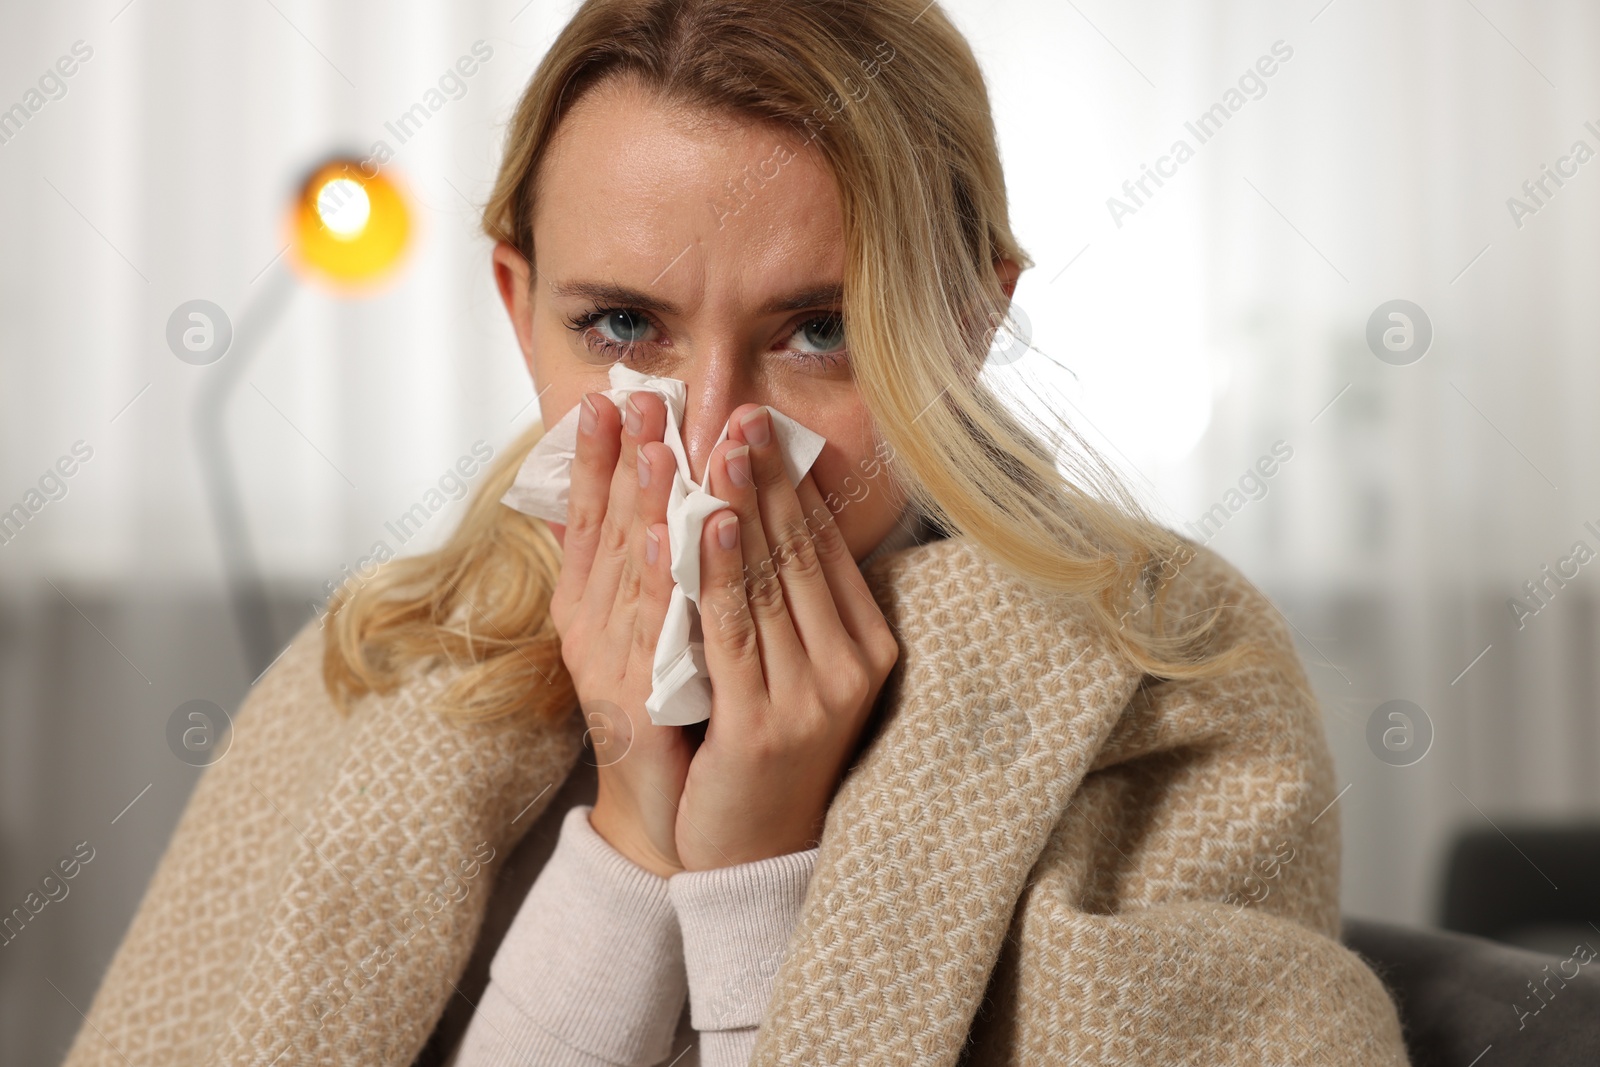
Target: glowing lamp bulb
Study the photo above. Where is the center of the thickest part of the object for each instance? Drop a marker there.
(348, 229)
(344, 208)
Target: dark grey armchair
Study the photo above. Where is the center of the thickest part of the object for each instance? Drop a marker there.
(1468, 1001)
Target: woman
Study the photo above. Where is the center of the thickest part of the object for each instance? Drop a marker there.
(997, 770)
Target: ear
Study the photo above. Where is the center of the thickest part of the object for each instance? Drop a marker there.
(512, 274)
(1009, 272)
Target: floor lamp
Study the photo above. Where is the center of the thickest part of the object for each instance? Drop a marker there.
(346, 231)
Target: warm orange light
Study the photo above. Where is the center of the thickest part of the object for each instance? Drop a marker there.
(348, 229)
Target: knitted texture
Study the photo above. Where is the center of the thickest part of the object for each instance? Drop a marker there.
(1037, 856)
(325, 883)
(736, 923)
(591, 971)
(1028, 782)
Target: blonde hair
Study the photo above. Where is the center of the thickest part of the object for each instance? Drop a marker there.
(891, 95)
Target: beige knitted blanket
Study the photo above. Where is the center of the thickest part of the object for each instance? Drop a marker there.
(1035, 859)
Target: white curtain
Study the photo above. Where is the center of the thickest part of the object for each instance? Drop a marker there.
(1223, 324)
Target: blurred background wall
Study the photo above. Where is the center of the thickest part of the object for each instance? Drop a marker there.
(1200, 329)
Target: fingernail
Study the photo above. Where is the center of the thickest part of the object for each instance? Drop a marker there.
(634, 419)
(588, 418)
(652, 546)
(757, 427)
(728, 531)
(644, 469)
(738, 460)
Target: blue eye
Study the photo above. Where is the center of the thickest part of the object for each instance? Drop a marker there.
(825, 333)
(613, 333)
(622, 326)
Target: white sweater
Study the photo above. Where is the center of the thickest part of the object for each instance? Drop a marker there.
(597, 963)
(595, 967)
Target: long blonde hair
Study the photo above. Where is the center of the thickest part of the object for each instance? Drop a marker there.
(891, 95)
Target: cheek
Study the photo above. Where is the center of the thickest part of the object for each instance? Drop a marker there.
(560, 380)
(865, 507)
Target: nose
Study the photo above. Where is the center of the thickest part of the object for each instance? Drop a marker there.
(711, 395)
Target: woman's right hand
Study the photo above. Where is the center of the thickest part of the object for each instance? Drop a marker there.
(609, 604)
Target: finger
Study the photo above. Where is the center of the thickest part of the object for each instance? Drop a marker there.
(805, 587)
(655, 467)
(626, 629)
(644, 418)
(655, 592)
(852, 597)
(594, 458)
(733, 648)
(654, 470)
(782, 653)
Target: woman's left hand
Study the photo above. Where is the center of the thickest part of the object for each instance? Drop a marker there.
(797, 651)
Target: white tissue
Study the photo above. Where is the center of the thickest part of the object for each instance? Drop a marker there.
(680, 691)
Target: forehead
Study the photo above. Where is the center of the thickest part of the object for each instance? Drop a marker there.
(650, 193)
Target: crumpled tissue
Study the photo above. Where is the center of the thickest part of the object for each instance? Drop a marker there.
(680, 691)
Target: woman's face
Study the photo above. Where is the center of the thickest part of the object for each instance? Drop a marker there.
(696, 247)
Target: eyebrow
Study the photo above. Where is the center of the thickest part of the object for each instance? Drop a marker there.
(609, 294)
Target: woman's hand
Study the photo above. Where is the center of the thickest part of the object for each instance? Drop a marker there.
(797, 650)
(608, 606)
(795, 644)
